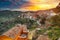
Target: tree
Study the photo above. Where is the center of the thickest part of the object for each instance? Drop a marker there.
(55, 20)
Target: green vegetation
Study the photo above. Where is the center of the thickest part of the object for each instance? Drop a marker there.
(6, 20)
(9, 18)
(54, 33)
(31, 24)
(54, 30)
(55, 20)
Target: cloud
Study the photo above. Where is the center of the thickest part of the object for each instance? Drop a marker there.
(28, 4)
(35, 5)
(11, 3)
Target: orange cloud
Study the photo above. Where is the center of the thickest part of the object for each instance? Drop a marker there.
(35, 5)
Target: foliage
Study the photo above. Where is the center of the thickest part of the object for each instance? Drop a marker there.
(31, 24)
(54, 33)
(55, 20)
(9, 18)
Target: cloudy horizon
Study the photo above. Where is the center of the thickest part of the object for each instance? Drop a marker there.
(27, 5)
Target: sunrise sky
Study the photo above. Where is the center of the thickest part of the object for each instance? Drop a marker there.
(27, 4)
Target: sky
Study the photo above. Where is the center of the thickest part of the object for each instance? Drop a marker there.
(28, 4)
(11, 4)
